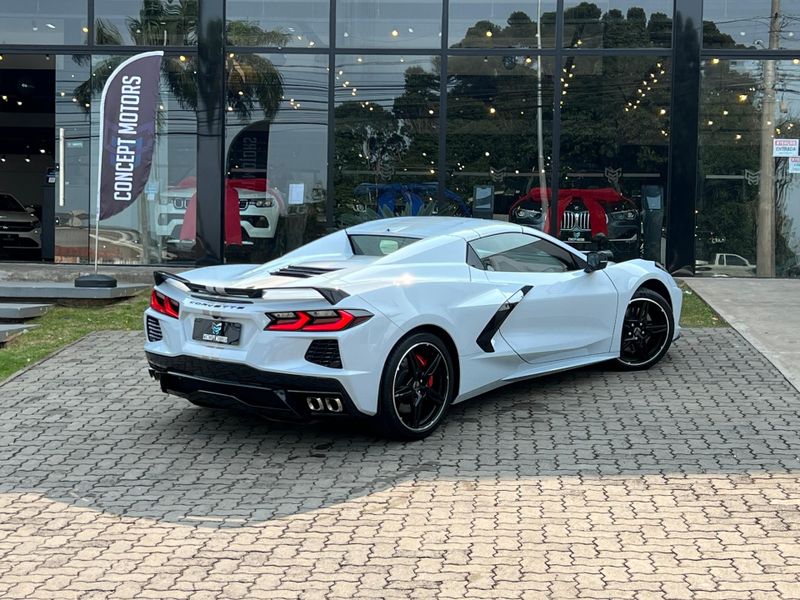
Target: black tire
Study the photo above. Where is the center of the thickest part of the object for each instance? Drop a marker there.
(647, 331)
(417, 386)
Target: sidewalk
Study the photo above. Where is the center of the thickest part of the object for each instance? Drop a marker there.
(765, 311)
(44, 272)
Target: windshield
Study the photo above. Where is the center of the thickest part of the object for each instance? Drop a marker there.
(9, 204)
(378, 245)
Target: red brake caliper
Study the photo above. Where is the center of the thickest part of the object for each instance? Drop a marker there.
(424, 362)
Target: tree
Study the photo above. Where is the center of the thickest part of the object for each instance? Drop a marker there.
(253, 82)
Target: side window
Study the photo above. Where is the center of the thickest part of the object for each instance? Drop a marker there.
(473, 260)
(522, 253)
(735, 261)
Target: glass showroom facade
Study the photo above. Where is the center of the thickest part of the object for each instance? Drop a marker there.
(663, 129)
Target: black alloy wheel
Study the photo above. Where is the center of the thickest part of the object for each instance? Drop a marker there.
(417, 387)
(647, 331)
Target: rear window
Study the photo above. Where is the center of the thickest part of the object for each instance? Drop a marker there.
(378, 245)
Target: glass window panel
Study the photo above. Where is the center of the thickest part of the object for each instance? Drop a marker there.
(502, 23)
(499, 135)
(387, 139)
(614, 150)
(73, 152)
(736, 24)
(43, 22)
(389, 23)
(27, 119)
(522, 253)
(748, 211)
(279, 23)
(618, 23)
(158, 226)
(146, 22)
(276, 137)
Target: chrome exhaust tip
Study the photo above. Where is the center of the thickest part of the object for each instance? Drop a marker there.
(334, 405)
(315, 403)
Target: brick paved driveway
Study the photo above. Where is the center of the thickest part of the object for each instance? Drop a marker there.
(683, 482)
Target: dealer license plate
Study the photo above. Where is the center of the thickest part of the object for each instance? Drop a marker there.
(217, 332)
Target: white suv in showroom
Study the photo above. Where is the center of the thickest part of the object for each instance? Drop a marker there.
(259, 212)
(19, 228)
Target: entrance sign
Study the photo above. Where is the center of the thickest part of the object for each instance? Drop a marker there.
(794, 164)
(127, 134)
(785, 148)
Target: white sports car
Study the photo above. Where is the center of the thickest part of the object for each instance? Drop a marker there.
(397, 319)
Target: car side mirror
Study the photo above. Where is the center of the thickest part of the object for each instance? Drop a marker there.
(30, 209)
(595, 261)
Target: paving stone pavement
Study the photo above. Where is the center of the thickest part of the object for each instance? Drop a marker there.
(680, 482)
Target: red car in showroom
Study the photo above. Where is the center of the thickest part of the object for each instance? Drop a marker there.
(585, 214)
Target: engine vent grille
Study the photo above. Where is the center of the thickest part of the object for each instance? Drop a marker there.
(325, 353)
(301, 271)
(154, 333)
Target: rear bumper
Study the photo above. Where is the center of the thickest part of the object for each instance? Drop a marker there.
(278, 396)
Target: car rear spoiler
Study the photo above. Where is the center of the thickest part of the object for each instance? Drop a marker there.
(331, 295)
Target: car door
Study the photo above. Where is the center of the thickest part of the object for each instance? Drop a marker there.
(566, 314)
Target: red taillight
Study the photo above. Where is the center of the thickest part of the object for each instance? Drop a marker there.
(342, 320)
(164, 304)
(315, 320)
(289, 321)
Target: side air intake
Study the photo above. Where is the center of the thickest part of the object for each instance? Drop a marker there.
(325, 353)
(154, 333)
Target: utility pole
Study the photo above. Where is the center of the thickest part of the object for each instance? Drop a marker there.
(765, 239)
(540, 125)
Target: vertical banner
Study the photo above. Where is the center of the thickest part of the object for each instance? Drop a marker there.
(127, 133)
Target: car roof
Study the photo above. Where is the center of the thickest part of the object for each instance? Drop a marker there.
(425, 227)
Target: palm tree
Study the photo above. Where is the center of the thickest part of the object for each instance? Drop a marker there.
(253, 82)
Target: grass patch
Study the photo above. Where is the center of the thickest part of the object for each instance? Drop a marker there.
(696, 313)
(63, 325)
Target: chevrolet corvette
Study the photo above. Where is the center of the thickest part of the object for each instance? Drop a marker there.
(395, 320)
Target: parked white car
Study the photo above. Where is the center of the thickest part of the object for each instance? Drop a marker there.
(726, 265)
(259, 212)
(395, 319)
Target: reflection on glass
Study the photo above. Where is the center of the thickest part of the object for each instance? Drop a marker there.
(44, 22)
(279, 23)
(618, 23)
(276, 138)
(146, 22)
(73, 153)
(502, 23)
(614, 149)
(386, 145)
(158, 226)
(759, 24)
(499, 134)
(748, 220)
(389, 23)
